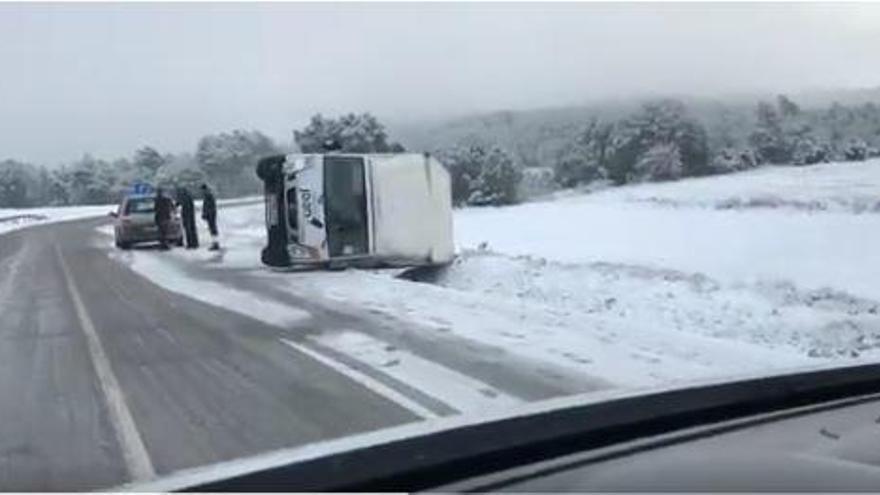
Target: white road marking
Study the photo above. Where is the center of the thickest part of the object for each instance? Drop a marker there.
(461, 392)
(366, 381)
(137, 460)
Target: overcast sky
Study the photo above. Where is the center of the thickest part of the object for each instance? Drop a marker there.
(107, 78)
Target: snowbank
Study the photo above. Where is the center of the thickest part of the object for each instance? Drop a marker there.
(17, 218)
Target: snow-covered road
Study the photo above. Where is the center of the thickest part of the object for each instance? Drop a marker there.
(637, 286)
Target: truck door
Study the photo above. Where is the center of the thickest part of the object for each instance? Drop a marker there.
(345, 206)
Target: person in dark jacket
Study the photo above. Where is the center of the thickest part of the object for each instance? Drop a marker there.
(188, 217)
(209, 215)
(163, 209)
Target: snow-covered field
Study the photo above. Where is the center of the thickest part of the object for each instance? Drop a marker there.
(640, 285)
(845, 187)
(16, 218)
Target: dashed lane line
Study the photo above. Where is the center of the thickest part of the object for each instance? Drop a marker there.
(134, 452)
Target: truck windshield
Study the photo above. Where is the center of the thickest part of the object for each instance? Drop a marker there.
(345, 205)
(292, 212)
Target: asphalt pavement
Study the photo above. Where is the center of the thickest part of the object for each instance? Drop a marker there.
(201, 384)
(106, 378)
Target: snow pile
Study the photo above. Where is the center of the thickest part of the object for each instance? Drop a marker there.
(13, 219)
(778, 316)
(610, 337)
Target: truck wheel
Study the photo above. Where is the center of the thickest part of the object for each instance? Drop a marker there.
(123, 245)
(179, 242)
(269, 168)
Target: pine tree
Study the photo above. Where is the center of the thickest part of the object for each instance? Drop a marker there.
(498, 181)
(147, 162)
(584, 159)
(665, 122)
(768, 138)
(808, 151)
(227, 160)
(661, 162)
(350, 133)
(733, 160)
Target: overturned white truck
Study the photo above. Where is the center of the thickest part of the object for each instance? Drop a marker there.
(364, 210)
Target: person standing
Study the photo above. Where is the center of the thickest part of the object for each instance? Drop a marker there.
(209, 215)
(188, 217)
(163, 208)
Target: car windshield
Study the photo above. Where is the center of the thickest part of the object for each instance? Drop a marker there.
(139, 205)
(390, 217)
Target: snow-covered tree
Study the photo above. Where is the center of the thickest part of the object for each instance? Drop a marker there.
(787, 108)
(536, 181)
(662, 122)
(147, 161)
(351, 133)
(481, 175)
(856, 150)
(464, 164)
(87, 181)
(583, 159)
(16, 182)
(228, 160)
(498, 182)
(808, 151)
(768, 139)
(181, 171)
(661, 162)
(733, 160)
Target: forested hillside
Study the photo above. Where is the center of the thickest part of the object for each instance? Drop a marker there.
(507, 156)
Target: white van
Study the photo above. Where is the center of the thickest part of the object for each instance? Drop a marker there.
(365, 210)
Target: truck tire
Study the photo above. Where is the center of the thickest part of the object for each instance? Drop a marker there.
(270, 167)
(275, 256)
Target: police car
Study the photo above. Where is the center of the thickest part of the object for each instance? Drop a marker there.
(135, 220)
